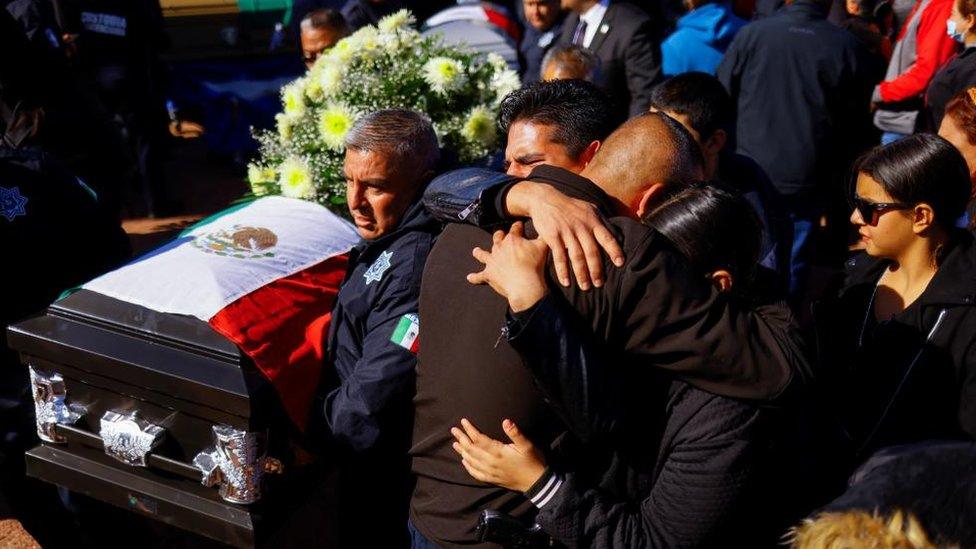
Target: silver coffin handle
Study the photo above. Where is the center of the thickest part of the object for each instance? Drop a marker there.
(128, 438)
(237, 464)
(51, 406)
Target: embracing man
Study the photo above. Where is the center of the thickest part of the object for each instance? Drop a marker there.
(647, 316)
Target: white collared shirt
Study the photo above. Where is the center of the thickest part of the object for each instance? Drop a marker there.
(593, 18)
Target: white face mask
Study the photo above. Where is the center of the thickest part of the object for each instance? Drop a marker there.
(953, 32)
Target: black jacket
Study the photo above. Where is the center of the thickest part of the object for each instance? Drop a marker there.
(800, 90)
(704, 450)
(651, 312)
(955, 76)
(628, 45)
(908, 379)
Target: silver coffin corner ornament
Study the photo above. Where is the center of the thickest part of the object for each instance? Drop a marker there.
(128, 438)
(237, 464)
(51, 406)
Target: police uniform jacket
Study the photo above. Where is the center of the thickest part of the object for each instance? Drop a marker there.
(374, 332)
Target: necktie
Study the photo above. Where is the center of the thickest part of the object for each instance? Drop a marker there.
(580, 33)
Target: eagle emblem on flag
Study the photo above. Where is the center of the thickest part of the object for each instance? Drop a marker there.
(239, 241)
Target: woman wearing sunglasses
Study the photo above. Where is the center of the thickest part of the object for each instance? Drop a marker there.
(897, 344)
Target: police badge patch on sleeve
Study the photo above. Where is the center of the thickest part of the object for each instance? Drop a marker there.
(407, 333)
(12, 203)
(376, 270)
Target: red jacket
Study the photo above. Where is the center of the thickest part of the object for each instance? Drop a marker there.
(934, 47)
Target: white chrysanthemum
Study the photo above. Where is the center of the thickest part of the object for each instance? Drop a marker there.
(396, 21)
(285, 125)
(366, 39)
(295, 179)
(479, 126)
(313, 88)
(292, 98)
(330, 79)
(444, 74)
(343, 52)
(405, 38)
(497, 62)
(260, 189)
(259, 174)
(334, 123)
(504, 82)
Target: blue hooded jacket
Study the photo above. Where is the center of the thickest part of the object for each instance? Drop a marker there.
(700, 40)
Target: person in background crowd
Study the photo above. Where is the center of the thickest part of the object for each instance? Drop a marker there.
(359, 13)
(702, 36)
(959, 73)
(301, 8)
(545, 20)
(836, 11)
(65, 104)
(118, 46)
(896, 342)
(923, 46)
(717, 441)
(920, 496)
(959, 128)
(374, 332)
(702, 105)
(625, 40)
(803, 141)
(320, 30)
(871, 22)
(569, 63)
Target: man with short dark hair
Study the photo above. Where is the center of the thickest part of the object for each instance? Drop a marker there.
(320, 30)
(702, 105)
(390, 156)
(556, 123)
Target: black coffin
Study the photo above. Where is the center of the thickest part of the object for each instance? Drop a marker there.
(175, 372)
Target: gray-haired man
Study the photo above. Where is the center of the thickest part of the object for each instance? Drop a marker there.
(390, 157)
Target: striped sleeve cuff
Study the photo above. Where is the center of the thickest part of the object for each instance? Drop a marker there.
(545, 488)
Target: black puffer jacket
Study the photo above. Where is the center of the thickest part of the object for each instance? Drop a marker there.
(677, 471)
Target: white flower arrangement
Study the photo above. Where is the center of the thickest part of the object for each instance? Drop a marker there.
(295, 179)
(390, 65)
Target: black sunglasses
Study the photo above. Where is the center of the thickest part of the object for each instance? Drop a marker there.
(868, 209)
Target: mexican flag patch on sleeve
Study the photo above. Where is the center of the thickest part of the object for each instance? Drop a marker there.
(407, 333)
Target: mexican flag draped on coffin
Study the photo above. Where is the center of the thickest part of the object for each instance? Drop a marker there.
(265, 275)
